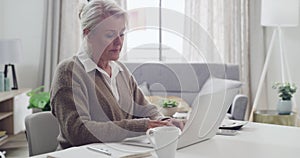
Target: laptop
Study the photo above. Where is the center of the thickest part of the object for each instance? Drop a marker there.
(204, 120)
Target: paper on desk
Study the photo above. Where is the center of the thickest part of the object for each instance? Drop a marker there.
(125, 151)
(117, 150)
(75, 152)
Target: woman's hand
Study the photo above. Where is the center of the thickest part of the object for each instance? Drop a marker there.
(175, 122)
(156, 123)
(168, 122)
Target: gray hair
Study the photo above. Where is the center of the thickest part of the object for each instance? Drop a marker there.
(96, 11)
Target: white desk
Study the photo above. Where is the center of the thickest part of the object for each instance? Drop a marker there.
(254, 141)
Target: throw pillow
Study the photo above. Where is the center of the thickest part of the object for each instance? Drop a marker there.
(213, 85)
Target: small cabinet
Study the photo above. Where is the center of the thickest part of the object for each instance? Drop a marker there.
(13, 110)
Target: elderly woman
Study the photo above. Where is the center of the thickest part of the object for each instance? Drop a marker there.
(94, 97)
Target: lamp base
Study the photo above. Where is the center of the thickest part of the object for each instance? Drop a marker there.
(15, 83)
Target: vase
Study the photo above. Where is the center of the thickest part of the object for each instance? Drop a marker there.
(284, 107)
(169, 111)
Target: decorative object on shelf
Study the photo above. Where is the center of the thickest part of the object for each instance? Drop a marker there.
(285, 93)
(6, 84)
(169, 107)
(277, 14)
(10, 51)
(1, 81)
(39, 99)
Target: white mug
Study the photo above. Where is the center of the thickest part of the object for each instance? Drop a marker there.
(164, 139)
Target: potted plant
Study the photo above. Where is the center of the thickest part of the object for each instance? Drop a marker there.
(285, 93)
(39, 99)
(169, 107)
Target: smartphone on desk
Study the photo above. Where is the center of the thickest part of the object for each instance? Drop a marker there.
(227, 132)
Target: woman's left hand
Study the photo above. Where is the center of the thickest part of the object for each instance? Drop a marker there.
(175, 122)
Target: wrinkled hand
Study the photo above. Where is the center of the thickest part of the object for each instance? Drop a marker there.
(156, 123)
(175, 122)
(169, 122)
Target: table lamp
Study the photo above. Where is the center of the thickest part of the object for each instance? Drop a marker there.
(10, 51)
(277, 14)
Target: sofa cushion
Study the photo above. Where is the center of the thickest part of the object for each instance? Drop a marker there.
(184, 80)
(163, 77)
(213, 85)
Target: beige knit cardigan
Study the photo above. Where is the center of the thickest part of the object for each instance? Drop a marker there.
(87, 111)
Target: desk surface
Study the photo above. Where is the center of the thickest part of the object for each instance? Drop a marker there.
(254, 140)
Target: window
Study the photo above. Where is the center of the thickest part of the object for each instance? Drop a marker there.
(143, 42)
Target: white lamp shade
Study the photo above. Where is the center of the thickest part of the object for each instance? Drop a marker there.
(10, 51)
(280, 13)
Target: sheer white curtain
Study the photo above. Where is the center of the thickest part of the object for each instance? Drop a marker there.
(61, 35)
(227, 26)
(258, 53)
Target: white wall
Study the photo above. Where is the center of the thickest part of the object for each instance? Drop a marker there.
(1, 20)
(292, 52)
(24, 20)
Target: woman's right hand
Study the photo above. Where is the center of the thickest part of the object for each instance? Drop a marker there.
(156, 123)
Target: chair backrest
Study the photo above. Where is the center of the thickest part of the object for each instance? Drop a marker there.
(239, 107)
(42, 130)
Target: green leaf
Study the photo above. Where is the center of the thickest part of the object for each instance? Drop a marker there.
(35, 91)
(285, 90)
(169, 103)
(40, 100)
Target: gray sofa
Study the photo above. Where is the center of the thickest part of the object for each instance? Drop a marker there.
(179, 79)
(184, 80)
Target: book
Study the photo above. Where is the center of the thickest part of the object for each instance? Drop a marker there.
(3, 137)
(2, 133)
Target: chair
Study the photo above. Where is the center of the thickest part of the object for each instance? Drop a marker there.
(239, 107)
(42, 130)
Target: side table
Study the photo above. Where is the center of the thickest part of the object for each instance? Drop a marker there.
(273, 117)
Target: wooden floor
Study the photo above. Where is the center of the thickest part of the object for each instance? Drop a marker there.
(16, 147)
